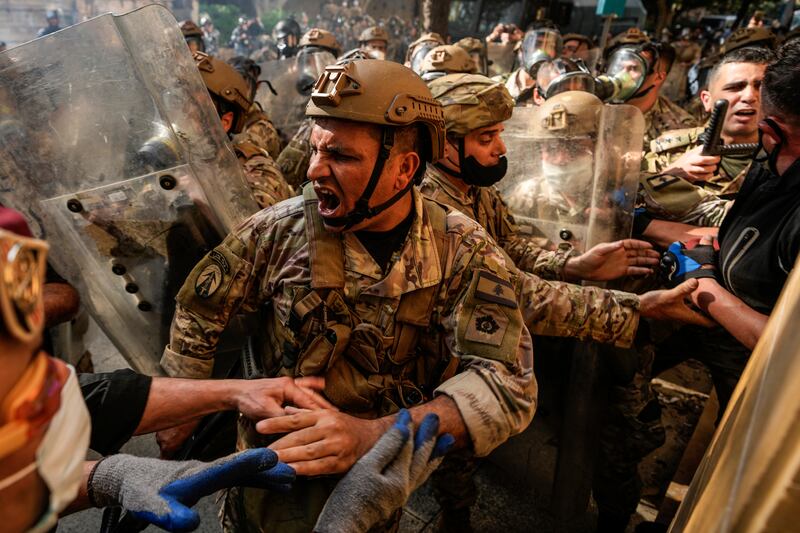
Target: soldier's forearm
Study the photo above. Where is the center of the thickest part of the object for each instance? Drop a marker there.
(172, 402)
(450, 420)
(663, 233)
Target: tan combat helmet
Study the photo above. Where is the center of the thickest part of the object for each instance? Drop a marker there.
(446, 59)
(759, 37)
(476, 48)
(428, 39)
(226, 84)
(192, 34)
(577, 37)
(568, 115)
(322, 39)
(630, 37)
(471, 101)
(360, 91)
(373, 33)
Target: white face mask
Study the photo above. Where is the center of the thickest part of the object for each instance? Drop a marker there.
(61, 454)
(568, 178)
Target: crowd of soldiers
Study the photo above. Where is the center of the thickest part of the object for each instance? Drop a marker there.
(417, 213)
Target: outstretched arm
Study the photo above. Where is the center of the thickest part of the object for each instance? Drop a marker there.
(741, 320)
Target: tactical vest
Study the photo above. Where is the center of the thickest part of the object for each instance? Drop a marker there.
(367, 373)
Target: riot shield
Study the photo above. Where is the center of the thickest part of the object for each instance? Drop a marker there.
(579, 189)
(118, 158)
(502, 58)
(292, 80)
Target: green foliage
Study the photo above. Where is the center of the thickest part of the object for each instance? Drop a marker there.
(271, 18)
(225, 17)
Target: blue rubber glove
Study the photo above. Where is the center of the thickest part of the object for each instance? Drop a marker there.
(683, 261)
(383, 479)
(162, 492)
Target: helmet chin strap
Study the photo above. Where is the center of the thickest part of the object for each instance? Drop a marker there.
(362, 210)
(453, 172)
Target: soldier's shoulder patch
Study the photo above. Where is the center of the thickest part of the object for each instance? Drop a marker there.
(487, 325)
(673, 139)
(492, 288)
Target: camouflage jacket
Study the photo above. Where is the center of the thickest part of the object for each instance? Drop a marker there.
(476, 322)
(664, 116)
(484, 205)
(262, 174)
(295, 158)
(260, 131)
(674, 198)
(549, 308)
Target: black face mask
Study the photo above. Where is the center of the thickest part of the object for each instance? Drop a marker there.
(473, 173)
(771, 157)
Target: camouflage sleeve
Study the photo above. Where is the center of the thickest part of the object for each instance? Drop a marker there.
(673, 198)
(264, 135)
(295, 158)
(587, 313)
(709, 213)
(529, 256)
(495, 390)
(215, 289)
(266, 180)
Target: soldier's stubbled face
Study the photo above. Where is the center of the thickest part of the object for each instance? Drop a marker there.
(484, 144)
(739, 84)
(343, 154)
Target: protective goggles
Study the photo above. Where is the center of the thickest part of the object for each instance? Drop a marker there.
(632, 63)
(23, 263)
(540, 45)
(31, 403)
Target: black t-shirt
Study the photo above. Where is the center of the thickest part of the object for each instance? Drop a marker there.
(760, 237)
(116, 403)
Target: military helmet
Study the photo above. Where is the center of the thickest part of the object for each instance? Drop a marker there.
(51, 14)
(577, 37)
(566, 115)
(373, 33)
(471, 101)
(286, 27)
(748, 37)
(427, 38)
(446, 59)
(225, 83)
(352, 55)
(359, 91)
(630, 37)
(322, 39)
(190, 29)
(476, 48)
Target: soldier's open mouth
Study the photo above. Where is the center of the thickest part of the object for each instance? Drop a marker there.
(328, 201)
(745, 113)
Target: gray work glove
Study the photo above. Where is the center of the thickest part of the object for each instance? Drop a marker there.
(162, 492)
(381, 481)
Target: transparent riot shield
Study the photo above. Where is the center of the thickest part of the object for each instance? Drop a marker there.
(115, 154)
(292, 80)
(502, 58)
(578, 189)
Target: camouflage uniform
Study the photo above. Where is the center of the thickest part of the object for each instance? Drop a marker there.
(294, 159)
(674, 198)
(262, 174)
(665, 116)
(259, 130)
(266, 264)
(485, 206)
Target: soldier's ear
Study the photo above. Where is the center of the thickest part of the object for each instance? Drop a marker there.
(227, 121)
(705, 97)
(408, 165)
